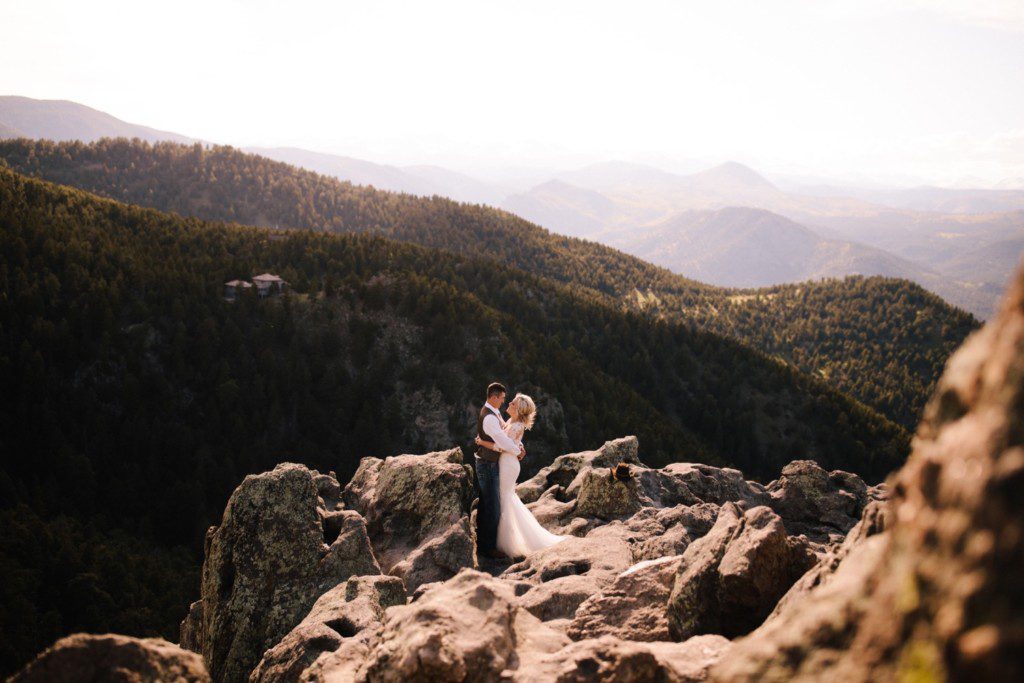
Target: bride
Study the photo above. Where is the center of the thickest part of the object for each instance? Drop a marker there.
(519, 532)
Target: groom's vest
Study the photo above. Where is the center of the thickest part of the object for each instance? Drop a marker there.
(485, 453)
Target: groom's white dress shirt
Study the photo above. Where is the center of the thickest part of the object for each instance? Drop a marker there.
(492, 428)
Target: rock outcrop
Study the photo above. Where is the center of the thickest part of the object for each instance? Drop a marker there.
(468, 628)
(417, 513)
(556, 580)
(823, 505)
(279, 547)
(633, 606)
(565, 468)
(729, 580)
(341, 613)
(938, 596)
(113, 659)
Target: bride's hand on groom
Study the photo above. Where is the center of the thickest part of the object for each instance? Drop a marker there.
(522, 452)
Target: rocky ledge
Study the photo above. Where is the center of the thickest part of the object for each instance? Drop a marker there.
(684, 573)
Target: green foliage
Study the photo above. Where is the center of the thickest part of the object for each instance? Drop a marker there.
(65, 576)
(882, 341)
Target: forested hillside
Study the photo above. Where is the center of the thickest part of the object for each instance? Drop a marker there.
(878, 338)
(851, 332)
(136, 397)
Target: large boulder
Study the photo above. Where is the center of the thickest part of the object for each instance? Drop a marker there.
(632, 607)
(729, 580)
(468, 628)
(669, 531)
(823, 505)
(937, 597)
(717, 485)
(601, 495)
(876, 519)
(417, 513)
(113, 659)
(277, 549)
(564, 469)
(339, 614)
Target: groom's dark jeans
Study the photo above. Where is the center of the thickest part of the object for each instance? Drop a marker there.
(489, 509)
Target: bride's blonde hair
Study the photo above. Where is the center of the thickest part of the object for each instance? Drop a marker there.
(526, 410)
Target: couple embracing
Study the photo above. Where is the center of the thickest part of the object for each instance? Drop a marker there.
(505, 526)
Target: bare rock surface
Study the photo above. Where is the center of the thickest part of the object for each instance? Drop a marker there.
(565, 468)
(110, 658)
(267, 563)
(716, 485)
(876, 519)
(632, 607)
(566, 574)
(600, 495)
(417, 513)
(729, 580)
(190, 633)
(938, 596)
(468, 628)
(824, 505)
(339, 614)
(622, 661)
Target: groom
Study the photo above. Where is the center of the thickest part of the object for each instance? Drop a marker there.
(488, 427)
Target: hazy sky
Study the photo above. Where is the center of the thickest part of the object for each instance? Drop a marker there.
(888, 89)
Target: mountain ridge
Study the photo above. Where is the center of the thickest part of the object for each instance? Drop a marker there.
(225, 184)
(67, 120)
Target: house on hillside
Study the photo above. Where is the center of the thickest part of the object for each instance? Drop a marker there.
(232, 288)
(268, 284)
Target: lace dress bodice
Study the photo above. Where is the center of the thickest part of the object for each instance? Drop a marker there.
(515, 431)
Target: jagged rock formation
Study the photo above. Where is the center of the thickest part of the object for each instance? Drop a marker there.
(824, 505)
(468, 628)
(729, 580)
(632, 607)
(829, 579)
(937, 597)
(342, 612)
(556, 580)
(417, 513)
(612, 659)
(565, 468)
(280, 545)
(306, 581)
(113, 659)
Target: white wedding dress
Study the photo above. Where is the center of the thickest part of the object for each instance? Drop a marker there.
(519, 532)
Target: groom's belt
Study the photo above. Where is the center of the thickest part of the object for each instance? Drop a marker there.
(487, 454)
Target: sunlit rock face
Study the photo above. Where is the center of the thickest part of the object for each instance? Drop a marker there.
(279, 547)
(417, 513)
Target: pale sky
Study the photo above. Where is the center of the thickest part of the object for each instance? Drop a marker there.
(883, 89)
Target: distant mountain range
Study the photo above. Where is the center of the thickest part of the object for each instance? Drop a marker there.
(65, 120)
(960, 244)
(745, 247)
(730, 226)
